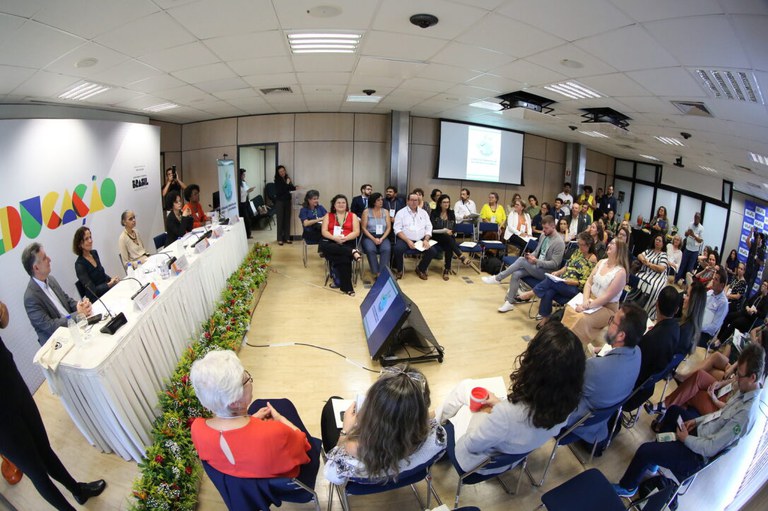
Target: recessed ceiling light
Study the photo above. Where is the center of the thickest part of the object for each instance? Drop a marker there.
(352, 98)
(573, 90)
(324, 11)
(649, 157)
(87, 62)
(488, 105)
(759, 158)
(573, 64)
(669, 141)
(730, 84)
(83, 91)
(330, 42)
(709, 169)
(595, 134)
(161, 107)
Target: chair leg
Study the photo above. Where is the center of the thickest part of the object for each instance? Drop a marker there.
(546, 469)
(523, 467)
(458, 495)
(330, 496)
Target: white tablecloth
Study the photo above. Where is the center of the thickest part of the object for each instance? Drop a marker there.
(109, 383)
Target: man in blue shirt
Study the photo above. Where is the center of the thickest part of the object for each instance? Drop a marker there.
(716, 309)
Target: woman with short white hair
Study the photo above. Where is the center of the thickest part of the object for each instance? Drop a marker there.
(269, 443)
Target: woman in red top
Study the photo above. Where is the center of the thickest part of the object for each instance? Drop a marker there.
(266, 444)
(340, 231)
(192, 196)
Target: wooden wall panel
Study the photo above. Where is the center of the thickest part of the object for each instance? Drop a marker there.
(370, 165)
(265, 129)
(325, 126)
(202, 135)
(200, 168)
(372, 128)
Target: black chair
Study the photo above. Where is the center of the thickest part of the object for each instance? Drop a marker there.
(633, 404)
(160, 240)
(258, 202)
(500, 460)
(588, 491)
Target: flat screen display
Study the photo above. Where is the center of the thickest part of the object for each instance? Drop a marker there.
(383, 310)
(470, 152)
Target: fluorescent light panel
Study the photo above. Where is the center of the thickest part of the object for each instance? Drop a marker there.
(759, 158)
(83, 91)
(709, 169)
(669, 141)
(573, 90)
(161, 107)
(649, 157)
(595, 134)
(353, 98)
(488, 105)
(324, 43)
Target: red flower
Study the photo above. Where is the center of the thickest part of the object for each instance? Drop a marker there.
(188, 470)
(159, 459)
(185, 379)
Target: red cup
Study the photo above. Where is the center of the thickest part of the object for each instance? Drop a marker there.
(477, 398)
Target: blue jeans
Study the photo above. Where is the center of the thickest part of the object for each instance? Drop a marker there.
(687, 264)
(672, 455)
(549, 290)
(384, 251)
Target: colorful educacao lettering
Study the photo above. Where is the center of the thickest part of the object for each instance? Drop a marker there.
(36, 212)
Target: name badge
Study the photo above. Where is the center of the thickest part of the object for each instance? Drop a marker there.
(181, 264)
(336, 231)
(379, 230)
(146, 296)
(392, 213)
(493, 219)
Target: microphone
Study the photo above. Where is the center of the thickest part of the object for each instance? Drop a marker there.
(141, 286)
(206, 235)
(171, 259)
(113, 324)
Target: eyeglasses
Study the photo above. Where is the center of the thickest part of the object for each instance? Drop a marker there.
(739, 375)
(249, 378)
(418, 378)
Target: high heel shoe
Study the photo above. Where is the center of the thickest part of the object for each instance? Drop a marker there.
(356, 255)
(464, 259)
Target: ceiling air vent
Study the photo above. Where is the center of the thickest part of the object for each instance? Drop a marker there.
(276, 90)
(692, 108)
(730, 84)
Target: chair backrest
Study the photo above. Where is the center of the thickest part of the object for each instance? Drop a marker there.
(80, 289)
(360, 486)
(590, 418)
(531, 245)
(464, 229)
(495, 461)
(488, 227)
(270, 191)
(160, 240)
(588, 490)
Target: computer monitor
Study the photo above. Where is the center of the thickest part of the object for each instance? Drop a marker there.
(216, 201)
(384, 310)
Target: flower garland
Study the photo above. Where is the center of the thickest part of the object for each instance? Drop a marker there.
(171, 471)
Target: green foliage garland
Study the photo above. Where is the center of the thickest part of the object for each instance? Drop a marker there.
(171, 472)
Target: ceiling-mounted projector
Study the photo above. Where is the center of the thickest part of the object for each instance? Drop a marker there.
(521, 99)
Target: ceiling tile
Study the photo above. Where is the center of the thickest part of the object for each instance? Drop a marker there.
(273, 80)
(495, 83)
(250, 44)
(448, 73)
(324, 78)
(46, 85)
(156, 83)
(90, 18)
(222, 84)
(528, 73)
(8, 26)
(394, 69)
(106, 59)
(650, 10)
(204, 73)
(324, 63)
(614, 84)
(12, 77)
(672, 81)
(474, 93)
(627, 49)
(745, 6)
(146, 35)
(751, 32)
(355, 15)
(180, 95)
(718, 46)
(24, 8)
(552, 59)
(126, 73)
(506, 35)
(180, 57)
(248, 92)
(266, 65)
(400, 46)
(255, 105)
(324, 89)
(35, 45)
(115, 96)
(213, 18)
(471, 57)
(454, 19)
(574, 20)
(424, 84)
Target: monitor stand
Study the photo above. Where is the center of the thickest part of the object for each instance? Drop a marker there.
(414, 333)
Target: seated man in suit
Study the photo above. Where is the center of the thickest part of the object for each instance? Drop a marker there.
(578, 221)
(46, 303)
(702, 438)
(360, 203)
(609, 379)
(545, 259)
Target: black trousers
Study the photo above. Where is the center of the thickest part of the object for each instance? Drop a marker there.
(247, 215)
(449, 246)
(283, 214)
(340, 257)
(23, 439)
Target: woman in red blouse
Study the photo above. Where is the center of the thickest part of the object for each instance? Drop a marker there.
(269, 443)
(340, 231)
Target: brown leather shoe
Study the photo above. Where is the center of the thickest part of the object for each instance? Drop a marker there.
(422, 275)
(11, 472)
(446, 273)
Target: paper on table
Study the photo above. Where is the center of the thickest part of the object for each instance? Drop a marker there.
(420, 245)
(439, 231)
(577, 300)
(461, 420)
(554, 277)
(467, 244)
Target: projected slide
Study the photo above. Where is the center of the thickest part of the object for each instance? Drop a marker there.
(483, 154)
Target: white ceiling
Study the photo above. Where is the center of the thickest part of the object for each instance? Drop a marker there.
(211, 57)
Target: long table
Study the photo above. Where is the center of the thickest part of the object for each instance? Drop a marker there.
(109, 384)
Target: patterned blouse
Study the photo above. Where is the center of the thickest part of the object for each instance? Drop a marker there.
(578, 268)
(738, 287)
(341, 465)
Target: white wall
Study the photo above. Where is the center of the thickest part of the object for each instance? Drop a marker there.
(692, 181)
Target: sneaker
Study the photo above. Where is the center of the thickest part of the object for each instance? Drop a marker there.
(506, 307)
(623, 492)
(490, 279)
(538, 317)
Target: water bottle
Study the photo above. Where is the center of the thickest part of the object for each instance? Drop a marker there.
(129, 270)
(74, 330)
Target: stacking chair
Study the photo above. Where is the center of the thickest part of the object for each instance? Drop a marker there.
(467, 232)
(359, 486)
(122, 264)
(634, 403)
(160, 240)
(505, 461)
(258, 201)
(484, 227)
(305, 249)
(587, 491)
(570, 434)
(671, 374)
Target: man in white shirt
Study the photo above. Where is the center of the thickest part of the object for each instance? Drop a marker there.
(716, 308)
(567, 198)
(412, 224)
(693, 238)
(46, 303)
(464, 206)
